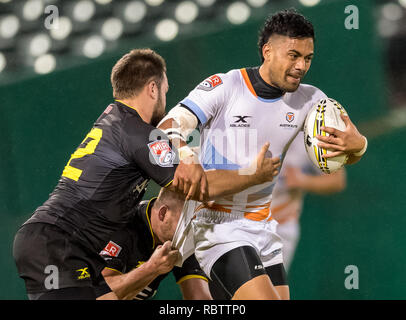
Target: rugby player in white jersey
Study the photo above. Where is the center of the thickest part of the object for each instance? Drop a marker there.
(235, 237)
(298, 176)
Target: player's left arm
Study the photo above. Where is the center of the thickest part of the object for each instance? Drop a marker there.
(350, 141)
(319, 184)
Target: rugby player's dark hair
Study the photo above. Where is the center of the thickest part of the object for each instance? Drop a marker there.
(134, 70)
(286, 23)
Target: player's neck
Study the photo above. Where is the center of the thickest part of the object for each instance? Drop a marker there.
(143, 108)
(267, 79)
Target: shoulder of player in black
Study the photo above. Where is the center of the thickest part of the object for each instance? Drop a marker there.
(262, 89)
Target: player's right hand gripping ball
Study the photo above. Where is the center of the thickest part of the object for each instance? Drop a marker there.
(325, 113)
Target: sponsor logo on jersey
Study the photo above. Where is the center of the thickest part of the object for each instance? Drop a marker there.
(140, 263)
(84, 274)
(162, 153)
(112, 249)
(210, 83)
(290, 116)
(240, 121)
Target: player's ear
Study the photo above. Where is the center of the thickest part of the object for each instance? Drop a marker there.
(266, 50)
(152, 89)
(163, 211)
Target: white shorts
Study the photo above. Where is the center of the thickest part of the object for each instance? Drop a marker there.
(216, 233)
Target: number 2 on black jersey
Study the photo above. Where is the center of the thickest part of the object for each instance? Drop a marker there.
(88, 146)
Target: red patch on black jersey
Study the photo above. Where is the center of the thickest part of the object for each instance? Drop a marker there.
(112, 249)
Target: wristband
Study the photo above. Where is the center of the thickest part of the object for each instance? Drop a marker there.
(363, 150)
(185, 152)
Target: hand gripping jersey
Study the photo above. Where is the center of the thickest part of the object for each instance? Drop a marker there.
(235, 123)
(131, 246)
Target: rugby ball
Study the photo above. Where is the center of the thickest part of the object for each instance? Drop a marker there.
(325, 113)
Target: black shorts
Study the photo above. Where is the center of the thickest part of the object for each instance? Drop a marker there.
(238, 266)
(49, 259)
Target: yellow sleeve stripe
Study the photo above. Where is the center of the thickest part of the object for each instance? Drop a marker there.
(191, 276)
(113, 270)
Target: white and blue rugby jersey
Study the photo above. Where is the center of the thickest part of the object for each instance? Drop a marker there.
(235, 123)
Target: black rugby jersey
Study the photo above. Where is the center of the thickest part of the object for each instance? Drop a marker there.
(107, 175)
(132, 246)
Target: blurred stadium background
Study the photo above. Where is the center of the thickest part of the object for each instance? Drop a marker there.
(55, 63)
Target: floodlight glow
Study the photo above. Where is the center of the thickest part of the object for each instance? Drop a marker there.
(186, 12)
(257, 3)
(32, 10)
(83, 10)
(112, 29)
(402, 3)
(3, 62)
(45, 64)
(103, 2)
(309, 3)
(387, 28)
(9, 26)
(238, 12)
(39, 44)
(167, 30)
(206, 3)
(392, 11)
(135, 11)
(63, 30)
(94, 46)
(154, 3)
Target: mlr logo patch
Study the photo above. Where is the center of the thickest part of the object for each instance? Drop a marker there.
(162, 153)
(112, 249)
(210, 83)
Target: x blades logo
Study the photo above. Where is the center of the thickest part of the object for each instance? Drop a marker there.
(84, 274)
(240, 122)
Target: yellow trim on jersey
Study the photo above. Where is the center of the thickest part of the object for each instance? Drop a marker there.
(149, 222)
(167, 185)
(128, 105)
(113, 270)
(191, 276)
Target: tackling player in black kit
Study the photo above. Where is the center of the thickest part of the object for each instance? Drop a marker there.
(135, 256)
(57, 250)
(101, 184)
